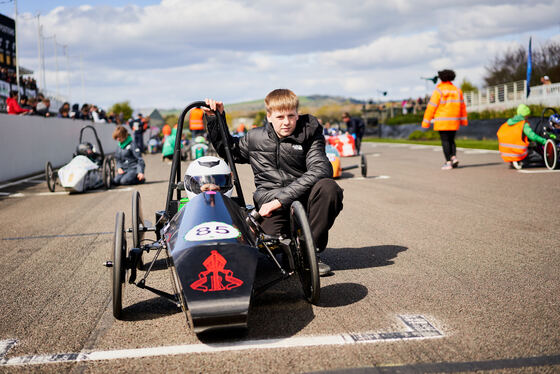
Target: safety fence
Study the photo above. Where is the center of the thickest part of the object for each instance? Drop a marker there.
(511, 94)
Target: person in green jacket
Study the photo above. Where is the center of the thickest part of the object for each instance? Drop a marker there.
(169, 145)
(523, 112)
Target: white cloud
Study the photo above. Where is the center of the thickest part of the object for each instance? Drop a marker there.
(180, 50)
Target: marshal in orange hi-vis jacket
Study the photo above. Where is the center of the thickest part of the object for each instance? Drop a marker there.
(195, 119)
(512, 144)
(446, 108)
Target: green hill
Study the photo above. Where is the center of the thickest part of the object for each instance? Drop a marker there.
(313, 101)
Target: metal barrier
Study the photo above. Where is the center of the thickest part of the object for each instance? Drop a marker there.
(509, 95)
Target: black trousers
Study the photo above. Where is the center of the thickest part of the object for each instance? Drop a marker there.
(139, 140)
(358, 142)
(448, 144)
(322, 204)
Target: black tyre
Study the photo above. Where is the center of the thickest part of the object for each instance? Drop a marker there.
(363, 166)
(119, 265)
(304, 253)
(50, 177)
(137, 224)
(106, 173)
(113, 165)
(550, 154)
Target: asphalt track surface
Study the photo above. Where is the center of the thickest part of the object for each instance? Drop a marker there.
(434, 271)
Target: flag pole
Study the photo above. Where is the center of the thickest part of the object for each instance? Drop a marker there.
(529, 68)
(17, 49)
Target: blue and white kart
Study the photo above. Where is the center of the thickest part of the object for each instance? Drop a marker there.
(88, 169)
(214, 248)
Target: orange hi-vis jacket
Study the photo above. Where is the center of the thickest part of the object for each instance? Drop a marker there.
(446, 108)
(195, 119)
(513, 146)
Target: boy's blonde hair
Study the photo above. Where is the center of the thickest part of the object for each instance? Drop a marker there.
(120, 132)
(281, 99)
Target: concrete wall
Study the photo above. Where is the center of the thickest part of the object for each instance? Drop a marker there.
(28, 142)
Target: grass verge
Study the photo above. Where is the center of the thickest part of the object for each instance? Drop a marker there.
(463, 143)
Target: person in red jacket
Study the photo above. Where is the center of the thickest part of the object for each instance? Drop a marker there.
(13, 106)
(447, 110)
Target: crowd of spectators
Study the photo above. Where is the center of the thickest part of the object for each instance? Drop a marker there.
(41, 106)
(10, 77)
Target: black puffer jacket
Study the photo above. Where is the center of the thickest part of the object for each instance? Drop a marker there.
(284, 169)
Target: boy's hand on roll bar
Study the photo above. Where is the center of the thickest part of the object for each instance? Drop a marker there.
(214, 106)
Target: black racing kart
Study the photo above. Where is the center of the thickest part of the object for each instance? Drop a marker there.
(213, 246)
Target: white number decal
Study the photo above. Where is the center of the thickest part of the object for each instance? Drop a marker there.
(212, 231)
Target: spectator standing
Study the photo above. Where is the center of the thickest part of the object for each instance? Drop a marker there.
(75, 112)
(356, 127)
(43, 107)
(24, 102)
(95, 115)
(64, 111)
(137, 127)
(84, 113)
(13, 105)
(196, 123)
(447, 110)
(546, 80)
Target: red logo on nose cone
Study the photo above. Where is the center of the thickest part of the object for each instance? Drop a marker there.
(215, 264)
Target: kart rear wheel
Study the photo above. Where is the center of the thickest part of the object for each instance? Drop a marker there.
(304, 253)
(119, 265)
(137, 225)
(106, 172)
(550, 154)
(50, 176)
(363, 166)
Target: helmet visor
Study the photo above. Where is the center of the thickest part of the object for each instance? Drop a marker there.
(194, 183)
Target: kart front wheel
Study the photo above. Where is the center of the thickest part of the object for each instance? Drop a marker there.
(50, 176)
(137, 225)
(119, 265)
(304, 253)
(550, 154)
(363, 166)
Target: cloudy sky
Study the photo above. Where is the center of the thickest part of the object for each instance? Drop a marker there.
(168, 53)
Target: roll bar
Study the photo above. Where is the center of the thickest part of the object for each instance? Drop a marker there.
(175, 178)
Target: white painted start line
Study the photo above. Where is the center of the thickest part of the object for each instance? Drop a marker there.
(418, 327)
(62, 192)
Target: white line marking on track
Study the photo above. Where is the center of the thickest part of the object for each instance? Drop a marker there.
(418, 327)
(479, 151)
(537, 171)
(62, 192)
(22, 181)
(372, 177)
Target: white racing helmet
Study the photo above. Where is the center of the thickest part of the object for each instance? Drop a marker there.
(208, 169)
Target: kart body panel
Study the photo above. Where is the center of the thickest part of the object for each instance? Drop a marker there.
(344, 144)
(80, 174)
(215, 260)
(334, 157)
